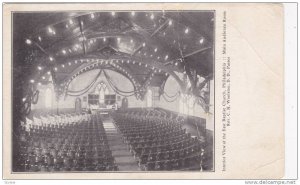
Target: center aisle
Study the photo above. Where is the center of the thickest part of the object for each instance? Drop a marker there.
(120, 152)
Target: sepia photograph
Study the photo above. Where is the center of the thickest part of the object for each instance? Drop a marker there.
(142, 91)
(112, 91)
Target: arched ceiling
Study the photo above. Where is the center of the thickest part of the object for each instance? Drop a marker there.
(144, 44)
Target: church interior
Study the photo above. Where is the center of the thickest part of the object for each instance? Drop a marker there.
(113, 91)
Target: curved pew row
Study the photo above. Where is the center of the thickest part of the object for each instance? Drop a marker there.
(73, 146)
(159, 143)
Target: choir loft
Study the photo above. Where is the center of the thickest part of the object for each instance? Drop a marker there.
(113, 91)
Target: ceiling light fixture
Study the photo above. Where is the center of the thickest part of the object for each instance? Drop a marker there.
(186, 31)
(50, 58)
(40, 38)
(92, 16)
(28, 41)
(155, 50)
(201, 40)
(113, 13)
(50, 30)
(132, 13)
(39, 68)
(152, 16)
(170, 22)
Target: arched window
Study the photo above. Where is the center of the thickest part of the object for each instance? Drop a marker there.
(149, 98)
(190, 105)
(48, 98)
(186, 104)
(183, 108)
(102, 90)
(181, 103)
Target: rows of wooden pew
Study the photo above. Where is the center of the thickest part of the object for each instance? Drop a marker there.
(54, 120)
(76, 146)
(157, 143)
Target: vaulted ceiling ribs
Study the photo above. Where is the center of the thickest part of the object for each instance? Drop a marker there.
(157, 41)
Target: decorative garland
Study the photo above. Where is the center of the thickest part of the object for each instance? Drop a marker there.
(35, 97)
(26, 109)
(169, 100)
(83, 91)
(110, 80)
(120, 93)
(172, 95)
(202, 103)
(30, 98)
(111, 83)
(116, 89)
